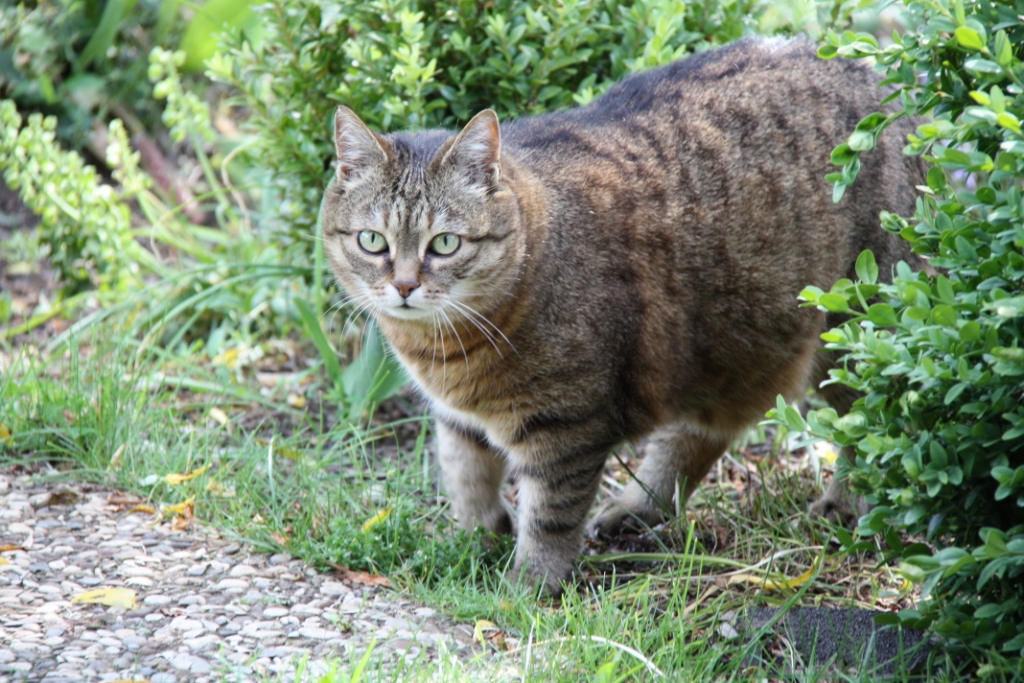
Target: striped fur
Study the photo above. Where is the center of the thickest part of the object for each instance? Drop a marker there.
(628, 270)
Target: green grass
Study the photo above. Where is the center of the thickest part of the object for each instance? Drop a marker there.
(364, 497)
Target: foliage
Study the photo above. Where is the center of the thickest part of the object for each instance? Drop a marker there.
(83, 220)
(938, 357)
(404, 63)
(76, 59)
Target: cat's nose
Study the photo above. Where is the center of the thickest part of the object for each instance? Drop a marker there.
(405, 288)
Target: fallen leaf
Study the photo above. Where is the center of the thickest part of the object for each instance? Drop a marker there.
(280, 538)
(62, 497)
(296, 400)
(4, 433)
(9, 547)
(111, 597)
(362, 578)
(220, 416)
(376, 519)
(179, 478)
(3, 561)
(180, 508)
(481, 628)
(115, 459)
(148, 509)
(770, 584)
(181, 522)
(123, 500)
(218, 489)
(289, 453)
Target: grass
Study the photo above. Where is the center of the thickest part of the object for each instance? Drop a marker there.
(283, 473)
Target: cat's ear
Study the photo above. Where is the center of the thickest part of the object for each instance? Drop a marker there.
(476, 152)
(359, 149)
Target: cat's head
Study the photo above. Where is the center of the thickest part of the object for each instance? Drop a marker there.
(422, 226)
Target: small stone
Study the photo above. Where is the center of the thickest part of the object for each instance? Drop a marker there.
(163, 677)
(334, 588)
(316, 633)
(157, 600)
(186, 662)
(275, 612)
(230, 549)
(242, 570)
(197, 570)
(6, 656)
(232, 585)
(280, 558)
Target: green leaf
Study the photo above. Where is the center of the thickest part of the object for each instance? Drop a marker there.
(114, 12)
(834, 303)
(970, 39)
(983, 66)
(374, 375)
(882, 315)
(866, 267)
(311, 323)
(199, 42)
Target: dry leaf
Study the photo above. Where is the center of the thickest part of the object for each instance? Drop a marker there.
(62, 497)
(179, 478)
(218, 489)
(488, 632)
(280, 538)
(4, 432)
(296, 400)
(148, 509)
(111, 597)
(9, 547)
(771, 585)
(181, 522)
(115, 459)
(180, 508)
(376, 519)
(3, 561)
(362, 578)
(121, 499)
(220, 416)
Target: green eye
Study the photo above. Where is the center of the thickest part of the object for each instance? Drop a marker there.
(444, 244)
(372, 242)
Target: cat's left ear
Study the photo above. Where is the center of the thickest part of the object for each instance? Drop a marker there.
(476, 152)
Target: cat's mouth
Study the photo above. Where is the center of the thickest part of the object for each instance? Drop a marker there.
(407, 312)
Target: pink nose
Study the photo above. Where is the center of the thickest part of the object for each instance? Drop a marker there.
(405, 288)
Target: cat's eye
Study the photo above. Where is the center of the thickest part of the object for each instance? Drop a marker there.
(445, 244)
(372, 242)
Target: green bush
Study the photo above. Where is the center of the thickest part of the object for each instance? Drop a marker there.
(938, 358)
(405, 63)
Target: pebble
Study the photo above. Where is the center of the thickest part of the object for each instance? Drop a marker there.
(202, 603)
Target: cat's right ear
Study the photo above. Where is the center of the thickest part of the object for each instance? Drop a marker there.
(359, 149)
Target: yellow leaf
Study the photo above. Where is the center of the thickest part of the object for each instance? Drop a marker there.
(480, 629)
(218, 489)
(376, 519)
(4, 432)
(229, 358)
(180, 508)
(3, 561)
(148, 509)
(289, 453)
(111, 597)
(179, 478)
(771, 584)
(296, 400)
(220, 416)
(115, 459)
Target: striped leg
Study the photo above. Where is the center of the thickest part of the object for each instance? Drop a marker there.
(553, 505)
(473, 472)
(671, 455)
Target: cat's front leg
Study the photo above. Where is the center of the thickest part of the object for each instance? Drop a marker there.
(472, 472)
(554, 499)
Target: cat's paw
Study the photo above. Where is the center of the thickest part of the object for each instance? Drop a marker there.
(534, 581)
(616, 516)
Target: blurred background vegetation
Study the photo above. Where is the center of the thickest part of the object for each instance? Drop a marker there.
(173, 156)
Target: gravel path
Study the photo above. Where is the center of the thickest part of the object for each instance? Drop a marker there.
(205, 606)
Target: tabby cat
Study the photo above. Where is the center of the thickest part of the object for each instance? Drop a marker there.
(627, 270)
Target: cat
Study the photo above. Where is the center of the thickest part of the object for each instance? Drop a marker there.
(630, 269)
